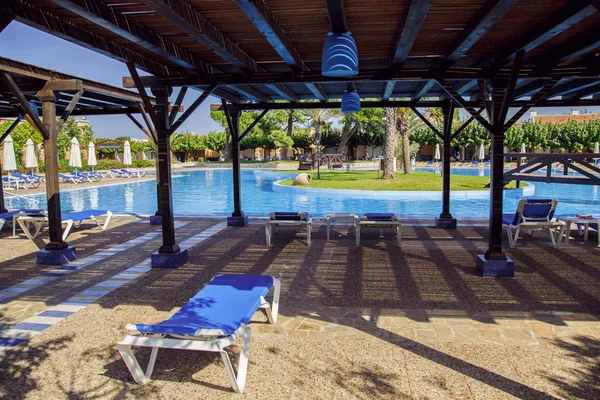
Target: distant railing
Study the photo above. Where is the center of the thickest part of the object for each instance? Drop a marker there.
(530, 163)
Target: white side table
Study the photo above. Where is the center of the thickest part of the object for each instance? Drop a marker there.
(579, 221)
(332, 217)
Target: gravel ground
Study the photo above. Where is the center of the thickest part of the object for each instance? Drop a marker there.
(434, 269)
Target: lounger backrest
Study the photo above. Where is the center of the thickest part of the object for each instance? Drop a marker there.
(224, 304)
(379, 217)
(289, 216)
(81, 215)
(532, 210)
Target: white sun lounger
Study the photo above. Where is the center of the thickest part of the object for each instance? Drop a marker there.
(379, 221)
(211, 321)
(70, 219)
(533, 215)
(288, 219)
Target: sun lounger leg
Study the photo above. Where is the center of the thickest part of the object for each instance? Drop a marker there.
(268, 234)
(399, 234)
(516, 237)
(272, 310)
(2, 222)
(328, 226)
(357, 235)
(134, 367)
(308, 233)
(67, 230)
(106, 220)
(239, 383)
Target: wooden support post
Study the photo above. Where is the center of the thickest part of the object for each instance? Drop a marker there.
(48, 99)
(448, 112)
(163, 149)
(233, 119)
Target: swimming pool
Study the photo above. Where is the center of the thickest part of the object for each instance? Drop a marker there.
(210, 192)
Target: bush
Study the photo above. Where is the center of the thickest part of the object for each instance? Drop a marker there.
(144, 163)
(109, 164)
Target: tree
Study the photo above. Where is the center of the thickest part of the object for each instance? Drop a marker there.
(246, 118)
(280, 139)
(389, 144)
(317, 119)
(215, 141)
(406, 123)
(302, 139)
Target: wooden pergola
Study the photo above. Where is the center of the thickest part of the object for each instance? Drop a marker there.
(479, 55)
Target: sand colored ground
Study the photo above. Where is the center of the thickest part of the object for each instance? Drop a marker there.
(371, 322)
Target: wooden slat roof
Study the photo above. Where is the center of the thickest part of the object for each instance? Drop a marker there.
(97, 99)
(227, 43)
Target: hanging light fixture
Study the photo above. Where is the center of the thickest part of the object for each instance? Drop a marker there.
(340, 55)
(350, 101)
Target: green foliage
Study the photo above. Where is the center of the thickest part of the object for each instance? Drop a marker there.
(214, 141)
(186, 142)
(281, 139)
(302, 139)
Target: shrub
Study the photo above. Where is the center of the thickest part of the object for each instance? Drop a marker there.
(109, 164)
(144, 163)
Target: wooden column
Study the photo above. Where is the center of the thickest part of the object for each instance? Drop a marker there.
(235, 156)
(48, 99)
(494, 251)
(448, 112)
(163, 150)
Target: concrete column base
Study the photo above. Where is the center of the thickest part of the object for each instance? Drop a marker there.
(237, 221)
(56, 257)
(169, 260)
(156, 220)
(495, 268)
(445, 223)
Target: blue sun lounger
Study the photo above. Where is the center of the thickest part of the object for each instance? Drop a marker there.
(533, 214)
(70, 219)
(288, 219)
(379, 221)
(211, 321)
(14, 214)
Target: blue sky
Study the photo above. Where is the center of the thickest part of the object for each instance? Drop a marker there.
(29, 45)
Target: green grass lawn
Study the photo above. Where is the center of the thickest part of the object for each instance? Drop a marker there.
(417, 181)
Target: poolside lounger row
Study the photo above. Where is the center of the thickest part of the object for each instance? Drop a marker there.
(211, 321)
(126, 174)
(10, 217)
(68, 219)
(303, 219)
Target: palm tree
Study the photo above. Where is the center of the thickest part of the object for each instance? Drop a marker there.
(407, 123)
(318, 118)
(389, 146)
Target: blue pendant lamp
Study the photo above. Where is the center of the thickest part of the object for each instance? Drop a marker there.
(350, 101)
(340, 56)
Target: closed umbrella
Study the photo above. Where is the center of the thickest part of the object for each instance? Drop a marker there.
(437, 152)
(31, 160)
(9, 163)
(523, 150)
(127, 153)
(596, 149)
(75, 158)
(92, 155)
(481, 152)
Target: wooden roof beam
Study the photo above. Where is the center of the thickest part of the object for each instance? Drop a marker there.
(266, 23)
(49, 23)
(589, 91)
(251, 93)
(571, 86)
(412, 19)
(110, 19)
(595, 3)
(389, 90)
(318, 92)
(553, 25)
(186, 18)
(481, 23)
(571, 51)
(422, 90)
(284, 92)
(337, 16)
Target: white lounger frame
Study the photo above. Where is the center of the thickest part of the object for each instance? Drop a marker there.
(379, 225)
(38, 223)
(555, 228)
(272, 225)
(212, 340)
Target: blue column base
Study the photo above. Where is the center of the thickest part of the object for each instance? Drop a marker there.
(495, 268)
(237, 221)
(156, 220)
(445, 223)
(169, 260)
(56, 257)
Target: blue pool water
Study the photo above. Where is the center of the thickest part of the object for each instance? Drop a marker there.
(209, 192)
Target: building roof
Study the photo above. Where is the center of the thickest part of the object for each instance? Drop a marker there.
(97, 98)
(261, 51)
(560, 119)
